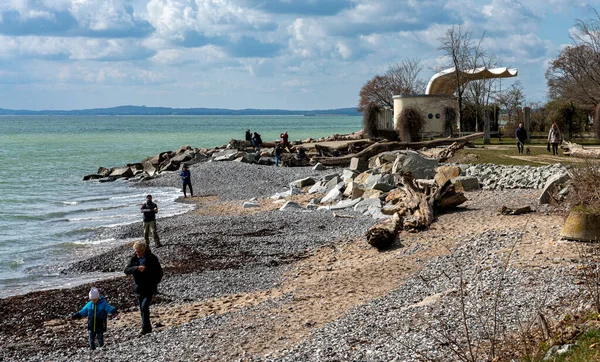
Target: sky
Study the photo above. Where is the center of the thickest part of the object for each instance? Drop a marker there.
(283, 54)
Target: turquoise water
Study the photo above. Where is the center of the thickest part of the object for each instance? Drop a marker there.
(49, 216)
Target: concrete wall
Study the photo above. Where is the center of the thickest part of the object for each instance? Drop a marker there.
(431, 107)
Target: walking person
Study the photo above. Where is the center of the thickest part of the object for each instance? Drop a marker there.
(150, 209)
(147, 273)
(96, 311)
(186, 177)
(521, 136)
(554, 138)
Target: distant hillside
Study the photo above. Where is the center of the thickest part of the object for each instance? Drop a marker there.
(164, 111)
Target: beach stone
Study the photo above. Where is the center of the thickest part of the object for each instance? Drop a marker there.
(386, 168)
(419, 166)
(92, 177)
(183, 157)
(303, 182)
(226, 155)
(466, 183)
(318, 188)
(267, 161)
(371, 194)
(445, 173)
(366, 204)
(318, 167)
(334, 183)
(333, 195)
(353, 191)
(103, 171)
(246, 158)
(249, 204)
(362, 177)
(551, 184)
(348, 174)
(344, 204)
(382, 187)
(121, 172)
(290, 205)
(149, 168)
(357, 164)
(330, 176)
(170, 166)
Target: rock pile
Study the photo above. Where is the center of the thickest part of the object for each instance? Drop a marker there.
(501, 177)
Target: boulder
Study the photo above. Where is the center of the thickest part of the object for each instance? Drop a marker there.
(92, 177)
(353, 191)
(149, 168)
(121, 172)
(183, 157)
(445, 173)
(318, 188)
(170, 166)
(266, 161)
(361, 178)
(466, 183)
(291, 205)
(357, 164)
(330, 176)
(104, 172)
(183, 149)
(348, 175)
(318, 167)
(382, 186)
(246, 158)
(226, 155)
(417, 165)
(334, 183)
(307, 181)
(551, 184)
(344, 204)
(371, 194)
(367, 204)
(333, 195)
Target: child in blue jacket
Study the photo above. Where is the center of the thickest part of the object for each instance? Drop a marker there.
(97, 311)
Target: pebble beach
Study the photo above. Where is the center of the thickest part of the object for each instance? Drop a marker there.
(297, 285)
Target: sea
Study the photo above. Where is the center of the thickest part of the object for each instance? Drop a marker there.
(50, 217)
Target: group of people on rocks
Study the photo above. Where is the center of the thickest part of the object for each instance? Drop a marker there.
(280, 145)
(146, 271)
(554, 139)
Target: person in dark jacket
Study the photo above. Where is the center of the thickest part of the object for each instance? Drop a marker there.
(257, 140)
(147, 273)
(150, 209)
(97, 311)
(278, 150)
(186, 177)
(249, 136)
(521, 136)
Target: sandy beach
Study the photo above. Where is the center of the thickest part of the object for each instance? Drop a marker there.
(265, 284)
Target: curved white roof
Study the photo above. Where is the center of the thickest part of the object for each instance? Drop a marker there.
(444, 82)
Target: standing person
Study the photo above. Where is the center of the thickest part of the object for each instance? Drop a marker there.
(96, 311)
(278, 150)
(186, 177)
(554, 138)
(150, 209)
(521, 136)
(285, 140)
(249, 136)
(147, 273)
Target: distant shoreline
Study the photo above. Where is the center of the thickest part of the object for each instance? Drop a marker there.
(166, 111)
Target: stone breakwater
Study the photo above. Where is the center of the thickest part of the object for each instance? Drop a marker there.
(499, 177)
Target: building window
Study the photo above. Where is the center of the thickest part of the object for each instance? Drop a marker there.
(430, 116)
(437, 115)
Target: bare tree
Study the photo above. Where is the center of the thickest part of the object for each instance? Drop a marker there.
(400, 78)
(464, 55)
(575, 74)
(512, 99)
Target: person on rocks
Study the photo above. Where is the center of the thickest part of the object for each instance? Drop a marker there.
(554, 138)
(300, 153)
(150, 209)
(97, 311)
(257, 140)
(521, 136)
(278, 150)
(249, 136)
(186, 177)
(147, 273)
(285, 141)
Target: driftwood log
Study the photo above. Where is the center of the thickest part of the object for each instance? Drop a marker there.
(577, 150)
(343, 149)
(417, 210)
(380, 147)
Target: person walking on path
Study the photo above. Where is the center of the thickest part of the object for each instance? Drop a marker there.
(147, 273)
(150, 209)
(554, 138)
(96, 311)
(521, 136)
(186, 177)
(278, 150)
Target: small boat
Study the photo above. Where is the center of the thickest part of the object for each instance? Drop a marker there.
(309, 114)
